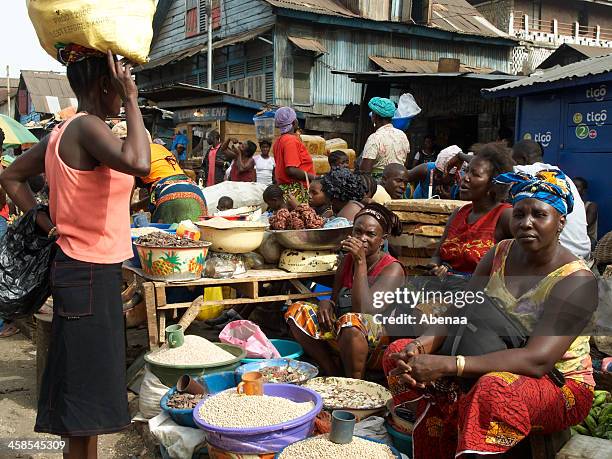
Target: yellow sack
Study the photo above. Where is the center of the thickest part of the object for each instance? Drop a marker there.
(124, 27)
(214, 310)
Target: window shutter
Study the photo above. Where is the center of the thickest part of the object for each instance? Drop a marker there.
(191, 18)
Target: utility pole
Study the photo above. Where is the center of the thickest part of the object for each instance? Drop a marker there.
(8, 92)
(209, 19)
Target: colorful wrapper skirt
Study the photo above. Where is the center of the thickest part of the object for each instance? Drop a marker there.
(499, 411)
(297, 190)
(304, 315)
(175, 199)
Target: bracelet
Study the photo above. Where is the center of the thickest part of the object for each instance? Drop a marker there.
(52, 232)
(419, 346)
(460, 364)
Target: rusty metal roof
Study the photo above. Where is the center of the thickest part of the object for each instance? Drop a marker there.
(459, 16)
(49, 92)
(394, 64)
(308, 44)
(327, 7)
(541, 79)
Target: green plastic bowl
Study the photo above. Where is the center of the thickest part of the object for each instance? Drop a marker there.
(170, 374)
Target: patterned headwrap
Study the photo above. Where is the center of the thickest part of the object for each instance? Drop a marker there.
(389, 222)
(382, 106)
(284, 118)
(549, 186)
(69, 54)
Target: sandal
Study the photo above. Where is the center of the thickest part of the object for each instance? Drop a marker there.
(8, 330)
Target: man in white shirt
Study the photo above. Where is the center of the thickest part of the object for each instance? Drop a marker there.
(264, 163)
(528, 156)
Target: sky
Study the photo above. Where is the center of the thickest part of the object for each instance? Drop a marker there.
(19, 46)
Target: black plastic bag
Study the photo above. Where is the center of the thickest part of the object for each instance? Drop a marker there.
(25, 261)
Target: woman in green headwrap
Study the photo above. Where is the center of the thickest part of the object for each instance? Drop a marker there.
(387, 144)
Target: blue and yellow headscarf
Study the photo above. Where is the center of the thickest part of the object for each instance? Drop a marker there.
(549, 186)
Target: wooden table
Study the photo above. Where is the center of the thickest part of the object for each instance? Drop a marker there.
(247, 285)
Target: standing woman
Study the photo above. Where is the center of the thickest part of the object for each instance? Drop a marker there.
(293, 162)
(90, 174)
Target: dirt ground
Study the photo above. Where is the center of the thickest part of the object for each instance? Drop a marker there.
(18, 408)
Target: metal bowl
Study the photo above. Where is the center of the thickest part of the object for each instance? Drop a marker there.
(312, 239)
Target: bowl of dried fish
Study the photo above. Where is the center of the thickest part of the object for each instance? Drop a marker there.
(362, 398)
(287, 371)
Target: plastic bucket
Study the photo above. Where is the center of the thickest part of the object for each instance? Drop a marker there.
(286, 348)
(401, 441)
(216, 383)
(264, 126)
(268, 439)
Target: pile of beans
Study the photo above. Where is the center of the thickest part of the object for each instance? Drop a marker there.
(321, 448)
(230, 409)
(194, 351)
(160, 239)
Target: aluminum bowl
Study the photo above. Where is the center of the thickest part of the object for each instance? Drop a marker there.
(312, 239)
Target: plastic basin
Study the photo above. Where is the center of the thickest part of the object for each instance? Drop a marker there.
(268, 439)
(401, 123)
(162, 226)
(286, 348)
(310, 371)
(216, 382)
(401, 441)
(169, 374)
(172, 263)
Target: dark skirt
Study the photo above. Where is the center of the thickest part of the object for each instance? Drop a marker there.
(83, 390)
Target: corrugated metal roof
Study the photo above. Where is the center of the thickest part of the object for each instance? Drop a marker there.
(308, 44)
(588, 51)
(592, 66)
(49, 92)
(327, 7)
(185, 53)
(394, 64)
(460, 16)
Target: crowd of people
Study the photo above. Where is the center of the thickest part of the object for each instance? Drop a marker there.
(523, 238)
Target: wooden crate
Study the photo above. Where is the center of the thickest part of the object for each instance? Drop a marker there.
(434, 206)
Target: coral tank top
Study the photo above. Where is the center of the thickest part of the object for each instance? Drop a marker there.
(91, 209)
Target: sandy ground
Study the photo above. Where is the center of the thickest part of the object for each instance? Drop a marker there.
(18, 407)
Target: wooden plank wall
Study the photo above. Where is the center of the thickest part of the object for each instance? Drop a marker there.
(237, 16)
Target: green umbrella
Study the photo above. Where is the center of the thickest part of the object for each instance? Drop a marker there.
(15, 133)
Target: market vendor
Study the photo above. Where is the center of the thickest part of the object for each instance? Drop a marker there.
(473, 229)
(341, 323)
(90, 176)
(294, 164)
(387, 145)
(442, 175)
(345, 191)
(486, 404)
(173, 197)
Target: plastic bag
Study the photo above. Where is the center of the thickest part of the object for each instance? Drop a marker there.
(373, 427)
(407, 107)
(249, 337)
(151, 392)
(25, 260)
(126, 28)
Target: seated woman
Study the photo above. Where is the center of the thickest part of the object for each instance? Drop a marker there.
(173, 197)
(473, 229)
(345, 191)
(545, 384)
(344, 323)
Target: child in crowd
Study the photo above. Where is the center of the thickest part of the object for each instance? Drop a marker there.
(318, 200)
(264, 163)
(338, 159)
(225, 203)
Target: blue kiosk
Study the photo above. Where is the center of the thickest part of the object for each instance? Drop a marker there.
(568, 110)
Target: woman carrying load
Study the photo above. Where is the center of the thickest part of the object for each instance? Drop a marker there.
(294, 166)
(344, 322)
(91, 176)
(486, 404)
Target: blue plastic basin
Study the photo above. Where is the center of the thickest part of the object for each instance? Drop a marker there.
(401, 441)
(216, 382)
(401, 123)
(287, 349)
